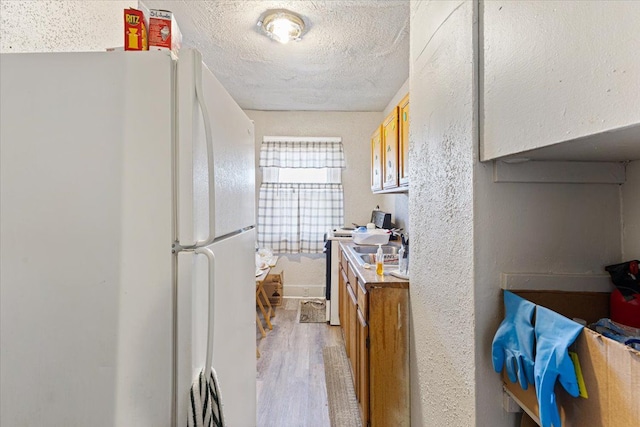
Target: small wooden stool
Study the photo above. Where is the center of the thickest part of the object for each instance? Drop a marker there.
(262, 299)
(261, 296)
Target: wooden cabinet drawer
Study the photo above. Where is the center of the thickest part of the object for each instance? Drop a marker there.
(363, 300)
(352, 294)
(343, 259)
(351, 275)
(350, 278)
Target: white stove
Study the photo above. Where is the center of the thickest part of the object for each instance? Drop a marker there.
(333, 270)
(341, 232)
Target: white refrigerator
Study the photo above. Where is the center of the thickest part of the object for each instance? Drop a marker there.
(117, 170)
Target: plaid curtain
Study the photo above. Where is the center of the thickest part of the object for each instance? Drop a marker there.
(278, 222)
(321, 209)
(302, 154)
(294, 217)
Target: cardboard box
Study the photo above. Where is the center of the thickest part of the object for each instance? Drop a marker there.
(135, 30)
(164, 33)
(274, 287)
(610, 369)
(275, 278)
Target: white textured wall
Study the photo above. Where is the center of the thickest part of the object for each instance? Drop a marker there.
(355, 130)
(441, 213)
(578, 59)
(533, 228)
(395, 100)
(631, 213)
(61, 25)
(467, 230)
(399, 206)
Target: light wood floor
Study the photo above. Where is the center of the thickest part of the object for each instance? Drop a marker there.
(291, 383)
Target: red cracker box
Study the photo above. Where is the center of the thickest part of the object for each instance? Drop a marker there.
(164, 33)
(135, 30)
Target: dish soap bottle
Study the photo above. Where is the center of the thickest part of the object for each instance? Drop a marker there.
(379, 261)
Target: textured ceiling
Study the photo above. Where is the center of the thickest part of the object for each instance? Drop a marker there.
(353, 56)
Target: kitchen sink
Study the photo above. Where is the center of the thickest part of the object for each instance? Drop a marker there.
(370, 259)
(367, 254)
(387, 249)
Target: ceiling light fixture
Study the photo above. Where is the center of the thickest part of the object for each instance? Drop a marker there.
(282, 25)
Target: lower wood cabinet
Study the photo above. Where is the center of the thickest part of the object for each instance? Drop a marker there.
(342, 293)
(363, 367)
(388, 339)
(375, 323)
(352, 320)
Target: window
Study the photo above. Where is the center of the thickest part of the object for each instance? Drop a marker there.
(301, 196)
(302, 175)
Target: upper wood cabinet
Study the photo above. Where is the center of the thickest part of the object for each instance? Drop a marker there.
(403, 149)
(558, 83)
(376, 159)
(390, 151)
(390, 134)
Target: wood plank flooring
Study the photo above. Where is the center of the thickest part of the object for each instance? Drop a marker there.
(291, 384)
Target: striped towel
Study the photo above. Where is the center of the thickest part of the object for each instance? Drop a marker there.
(205, 409)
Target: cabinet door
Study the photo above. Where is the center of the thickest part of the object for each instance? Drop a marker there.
(376, 160)
(389, 357)
(353, 341)
(363, 367)
(342, 282)
(390, 150)
(344, 321)
(403, 163)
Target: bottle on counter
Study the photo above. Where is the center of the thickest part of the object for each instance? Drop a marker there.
(403, 256)
(402, 261)
(379, 261)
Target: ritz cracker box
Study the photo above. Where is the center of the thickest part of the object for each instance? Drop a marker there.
(164, 33)
(135, 30)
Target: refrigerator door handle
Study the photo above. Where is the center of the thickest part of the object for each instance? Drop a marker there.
(212, 264)
(209, 140)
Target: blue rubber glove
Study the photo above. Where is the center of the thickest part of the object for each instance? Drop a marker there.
(554, 334)
(513, 342)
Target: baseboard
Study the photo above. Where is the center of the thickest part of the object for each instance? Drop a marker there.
(304, 291)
